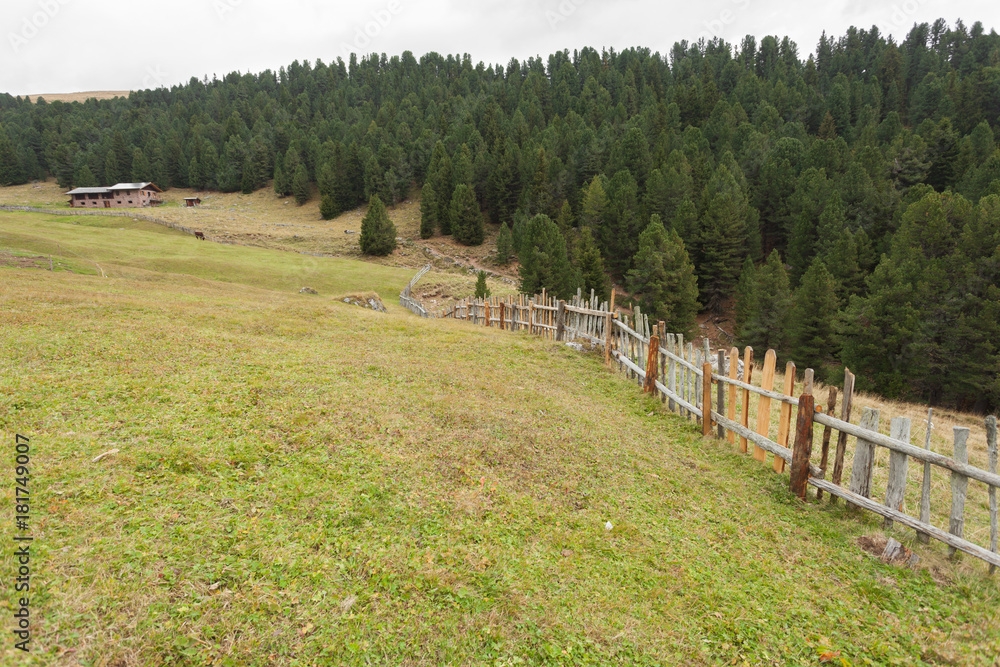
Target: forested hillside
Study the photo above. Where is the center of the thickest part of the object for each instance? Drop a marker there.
(849, 199)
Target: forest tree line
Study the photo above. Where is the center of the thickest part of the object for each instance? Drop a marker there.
(845, 204)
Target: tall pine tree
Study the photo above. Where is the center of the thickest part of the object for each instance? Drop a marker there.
(663, 278)
(378, 234)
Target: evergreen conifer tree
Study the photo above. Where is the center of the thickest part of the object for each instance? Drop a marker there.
(85, 178)
(482, 291)
(300, 185)
(505, 245)
(11, 172)
(591, 266)
(250, 178)
(328, 208)
(745, 305)
(466, 218)
(428, 211)
(595, 205)
(814, 319)
(378, 234)
(565, 219)
(663, 278)
(282, 184)
(766, 324)
(544, 261)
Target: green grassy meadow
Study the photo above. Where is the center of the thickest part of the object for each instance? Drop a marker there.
(303, 482)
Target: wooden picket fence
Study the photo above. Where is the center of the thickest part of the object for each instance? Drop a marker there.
(406, 299)
(719, 391)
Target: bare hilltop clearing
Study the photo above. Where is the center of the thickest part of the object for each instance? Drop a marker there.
(81, 97)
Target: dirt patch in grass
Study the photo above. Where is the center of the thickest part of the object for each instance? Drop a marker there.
(19, 262)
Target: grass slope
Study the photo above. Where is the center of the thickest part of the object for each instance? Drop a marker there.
(121, 247)
(263, 220)
(301, 482)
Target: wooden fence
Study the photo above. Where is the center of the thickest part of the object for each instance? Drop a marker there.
(406, 299)
(579, 319)
(720, 391)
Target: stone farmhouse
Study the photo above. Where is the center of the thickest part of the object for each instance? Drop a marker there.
(122, 195)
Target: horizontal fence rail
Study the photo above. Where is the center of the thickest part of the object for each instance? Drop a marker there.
(406, 299)
(721, 390)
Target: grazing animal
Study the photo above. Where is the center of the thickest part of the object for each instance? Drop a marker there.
(200, 236)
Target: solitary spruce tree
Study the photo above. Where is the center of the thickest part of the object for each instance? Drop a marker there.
(378, 234)
(482, 291)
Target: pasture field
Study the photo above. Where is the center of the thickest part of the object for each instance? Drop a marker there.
(303, 482)
(263, 220)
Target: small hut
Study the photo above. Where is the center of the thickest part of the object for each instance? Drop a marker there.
(191, 202)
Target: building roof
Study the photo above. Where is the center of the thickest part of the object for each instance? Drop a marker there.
(89, 191)
(192, 199)
(134, 186)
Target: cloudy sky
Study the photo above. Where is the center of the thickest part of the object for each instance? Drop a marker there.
(56, 46)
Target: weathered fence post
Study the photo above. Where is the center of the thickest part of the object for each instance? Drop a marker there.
(690, 379)
(899, 463)
(959, 487)
(487, 312)
(609, 326)
(925, 489)
(764, 402)
(864, 456)
(661, 331)
(531, 316)
(831, 405)
(721, 391)
(649, 386)
(706, 399)
(845, 415)
(802, 451)
(785, 421)
(503, 315)
(747, 376)
(560, 320)
(991, 446)
(672, 371)
(682, 375)
(734, 373)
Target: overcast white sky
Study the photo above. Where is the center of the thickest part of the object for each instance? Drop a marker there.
(58, 46)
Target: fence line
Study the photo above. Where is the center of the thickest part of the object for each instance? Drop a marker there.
(693, 382)
(407, 301)
(114, 213)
